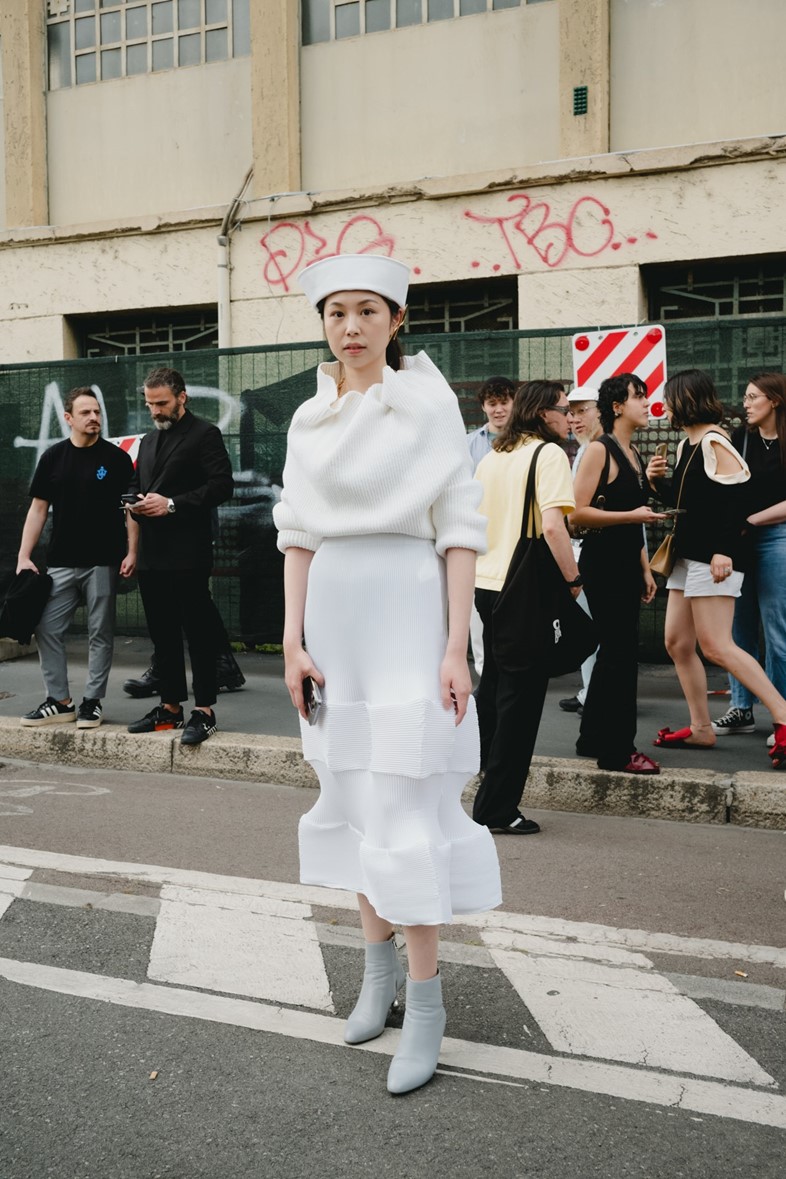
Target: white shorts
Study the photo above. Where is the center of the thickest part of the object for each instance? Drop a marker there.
(695, 580)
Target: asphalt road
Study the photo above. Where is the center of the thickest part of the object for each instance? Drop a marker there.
(149, 1029)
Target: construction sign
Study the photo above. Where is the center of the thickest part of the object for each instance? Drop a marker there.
(639, 350)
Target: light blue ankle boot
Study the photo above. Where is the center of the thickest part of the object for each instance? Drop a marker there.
(415, 1061)
(382, 980)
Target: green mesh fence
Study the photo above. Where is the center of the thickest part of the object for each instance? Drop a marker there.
(252, 393)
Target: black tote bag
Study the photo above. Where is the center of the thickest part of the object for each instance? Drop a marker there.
(536, 619)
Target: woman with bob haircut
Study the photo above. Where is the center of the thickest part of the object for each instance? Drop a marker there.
(611, 497)
(709, 548)
(762, 443)
(510, 705)
(379, 523)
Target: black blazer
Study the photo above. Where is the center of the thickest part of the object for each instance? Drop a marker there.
(194, 472)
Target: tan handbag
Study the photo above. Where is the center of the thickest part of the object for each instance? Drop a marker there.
(662, 560)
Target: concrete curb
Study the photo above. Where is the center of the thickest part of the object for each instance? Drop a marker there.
(561, 784)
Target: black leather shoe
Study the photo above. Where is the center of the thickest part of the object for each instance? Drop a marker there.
(230, 677)
(519, 826)
(571, 704)
(148, 684)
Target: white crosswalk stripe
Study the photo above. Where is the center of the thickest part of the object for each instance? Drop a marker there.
(256, 946)
(591, 990)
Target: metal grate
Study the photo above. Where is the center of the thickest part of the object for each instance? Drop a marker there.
(580, 100)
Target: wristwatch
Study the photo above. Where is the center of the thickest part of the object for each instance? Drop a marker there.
(577, 581)
(170, 506)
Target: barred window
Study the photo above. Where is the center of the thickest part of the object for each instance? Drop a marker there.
(717, 289)
(333, 20)
(96, 40)
(135, 333)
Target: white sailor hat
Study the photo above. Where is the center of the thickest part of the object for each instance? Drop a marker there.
(583, 393)
(356, 272)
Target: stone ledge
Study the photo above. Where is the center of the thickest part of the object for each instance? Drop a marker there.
(563, 784)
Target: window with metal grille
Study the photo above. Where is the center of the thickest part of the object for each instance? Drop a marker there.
(714, 290)
(135, 333)
(97, 40)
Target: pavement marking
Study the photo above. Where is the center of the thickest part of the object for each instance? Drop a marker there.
(82, 898)
(267, 949)
(632, 1084)
(741, 994)
(32, 787)
(625, 1014)
(499, 920)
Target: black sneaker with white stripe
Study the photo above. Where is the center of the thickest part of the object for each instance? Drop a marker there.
(51, 712)
(201, 725)
(89, 715)
(519, 826)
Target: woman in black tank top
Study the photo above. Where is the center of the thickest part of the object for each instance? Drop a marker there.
(611, 501)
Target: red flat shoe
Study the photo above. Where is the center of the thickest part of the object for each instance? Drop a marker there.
(640, 763)
(778, 751)
(678, 740)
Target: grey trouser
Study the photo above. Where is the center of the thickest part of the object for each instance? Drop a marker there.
(97, 585)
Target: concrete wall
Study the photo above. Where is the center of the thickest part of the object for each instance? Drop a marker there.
(695, 71)
(176, 140)
(577, 247)
(466, 95)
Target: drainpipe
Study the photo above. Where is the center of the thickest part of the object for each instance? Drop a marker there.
(228, 226)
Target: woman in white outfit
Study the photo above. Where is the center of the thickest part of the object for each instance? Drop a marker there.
(379, 522)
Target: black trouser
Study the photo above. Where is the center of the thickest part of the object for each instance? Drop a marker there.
(608, 722)
(510, 705)
(177, 601)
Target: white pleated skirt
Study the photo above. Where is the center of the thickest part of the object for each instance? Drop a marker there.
(390, 759)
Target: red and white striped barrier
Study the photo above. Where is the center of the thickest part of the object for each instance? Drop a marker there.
(640, 350)
(130, 444)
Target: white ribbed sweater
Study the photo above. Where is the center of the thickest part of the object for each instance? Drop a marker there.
(393, 459)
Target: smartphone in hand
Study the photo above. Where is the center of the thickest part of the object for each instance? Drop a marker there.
(312, 698)
(662, 450)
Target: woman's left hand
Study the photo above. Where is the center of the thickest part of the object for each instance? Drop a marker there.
(455, 683)
(721, 567)
(650, 588)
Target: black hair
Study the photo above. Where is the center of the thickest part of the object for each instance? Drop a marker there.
(393, 353)
(531, 398)
(693, 399)
(616, 390)
(500, 387)
(166, 378)
(82, 391)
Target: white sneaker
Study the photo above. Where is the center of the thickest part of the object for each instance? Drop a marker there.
(770, 740)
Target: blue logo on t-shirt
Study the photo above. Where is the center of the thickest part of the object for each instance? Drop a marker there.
(101, 473)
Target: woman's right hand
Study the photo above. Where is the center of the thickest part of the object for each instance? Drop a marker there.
(657, 468)
(297, 666)
(644, 515)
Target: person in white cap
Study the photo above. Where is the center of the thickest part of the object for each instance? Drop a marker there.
(378, 519)
(584, 421)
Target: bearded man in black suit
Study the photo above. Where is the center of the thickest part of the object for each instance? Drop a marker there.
(183, 473)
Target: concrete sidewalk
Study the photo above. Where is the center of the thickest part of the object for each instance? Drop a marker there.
(258, 740)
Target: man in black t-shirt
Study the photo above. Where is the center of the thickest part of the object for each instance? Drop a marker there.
(82, 478)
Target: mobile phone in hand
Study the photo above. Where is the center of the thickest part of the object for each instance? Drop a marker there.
(312, 698)
(662, 450)
(128, 498)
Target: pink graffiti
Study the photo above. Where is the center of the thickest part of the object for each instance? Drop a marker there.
(291, 245)
(587, 230)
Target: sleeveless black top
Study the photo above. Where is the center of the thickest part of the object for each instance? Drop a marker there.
(621, 543)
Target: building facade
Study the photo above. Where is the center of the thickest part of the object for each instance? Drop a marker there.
(167, 166)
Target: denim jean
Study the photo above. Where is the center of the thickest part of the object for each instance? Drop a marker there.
(763, 594)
